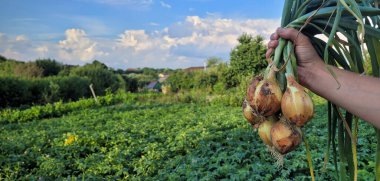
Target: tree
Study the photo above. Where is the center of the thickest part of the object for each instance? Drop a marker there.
(97, 63)
(50, 67)
(99, 75)
(249, 56)
(2, 58)
(131, 84)
(213, 61)
(150, 72)
(66, 69)
(7, 67)
(28, 70)
(119, 71)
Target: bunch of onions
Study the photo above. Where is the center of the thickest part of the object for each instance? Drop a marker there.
(266, 103)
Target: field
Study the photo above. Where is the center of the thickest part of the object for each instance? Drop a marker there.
(161, 140)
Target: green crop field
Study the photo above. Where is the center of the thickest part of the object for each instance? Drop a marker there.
(140, 140)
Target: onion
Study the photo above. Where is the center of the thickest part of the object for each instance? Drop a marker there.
(285, 136)
(249, 114)
(265, 95)
(296, 104)
(265, 129)
(252, 87)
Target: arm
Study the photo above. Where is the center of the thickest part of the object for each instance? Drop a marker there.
(358, 94)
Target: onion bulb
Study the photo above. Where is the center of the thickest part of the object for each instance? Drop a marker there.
(296, 104)
(285, 136)
(264, 95)
(249, 114)
(264, 130)
(252, 87)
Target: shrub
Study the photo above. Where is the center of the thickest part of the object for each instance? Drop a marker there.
(27, 70)
(99, 76)
(49, 67)
(16, 91)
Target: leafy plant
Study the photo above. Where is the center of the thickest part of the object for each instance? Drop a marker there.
(143, 139)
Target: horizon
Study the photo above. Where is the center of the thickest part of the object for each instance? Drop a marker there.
(130, 33)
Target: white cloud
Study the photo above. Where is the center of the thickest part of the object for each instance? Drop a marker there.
(215, 36)
(189, 42)
(42, 50)
(21, 38)
(185, 43)
(165, 5)
(17, 47)
(77, 46)
(11, 54)
(2, 37)
(135, 39)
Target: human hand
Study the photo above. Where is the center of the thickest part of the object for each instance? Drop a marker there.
(307, 57)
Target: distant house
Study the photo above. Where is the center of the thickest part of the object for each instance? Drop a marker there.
(162, 77)
(154, 86)
(131, 69)
(192, 69)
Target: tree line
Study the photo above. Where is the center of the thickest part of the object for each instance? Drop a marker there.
(47, 80)
(246, 59)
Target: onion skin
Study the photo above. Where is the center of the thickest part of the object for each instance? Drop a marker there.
(265, 96)
(249, 114)
(296, 104)
(252, 87)
(285, 136)
(265, 130)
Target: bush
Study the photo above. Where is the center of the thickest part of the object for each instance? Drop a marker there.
(205, 79)
(99, 76)
(73, 87)
(219, 88)
(131, 84)
(28, 70)
(49, 67)
(15, 91)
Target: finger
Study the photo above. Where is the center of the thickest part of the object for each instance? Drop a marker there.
(269, 53)
(274, 36)
(273, 44)
(291, 34)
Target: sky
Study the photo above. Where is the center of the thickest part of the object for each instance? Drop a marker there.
(132, 33)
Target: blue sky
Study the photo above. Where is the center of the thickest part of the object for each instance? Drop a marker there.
(131, 33)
